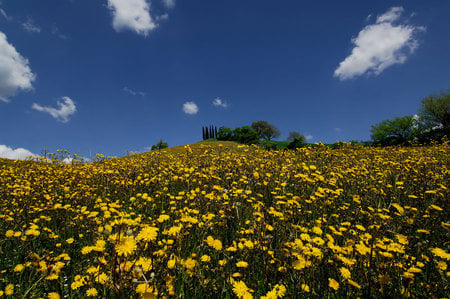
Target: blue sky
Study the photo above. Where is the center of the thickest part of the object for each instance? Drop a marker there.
(107, 76)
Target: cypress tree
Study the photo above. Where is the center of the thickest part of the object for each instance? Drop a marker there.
(203, 133)
(206, 133)
(211, 133)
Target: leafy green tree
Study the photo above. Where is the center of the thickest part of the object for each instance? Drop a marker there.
(299, 141)
(393, 132)
(434, 117)
(224, 134)
(293, 135)
(160, 145)
(265, 130)
(245, 135)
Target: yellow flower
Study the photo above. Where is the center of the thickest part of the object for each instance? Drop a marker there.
(205, 258)
(171, 264)
(9, 290)
(53, 295)
(190, 264)
(19, 268)
(242, 264)
(442, 265)
(333, 284)
(353, 283)
(126, 246)
(241, 290)
(148, 234)
(305, 288)
(345, 273)
(102, 278)
(92, 292)
(9, 233)
(70, 240)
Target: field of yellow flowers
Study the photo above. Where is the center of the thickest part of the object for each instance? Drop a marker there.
(218, 220)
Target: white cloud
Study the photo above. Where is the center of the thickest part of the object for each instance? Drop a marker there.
(65, 109)
(133, 93)
(190, 108)
(379, 46)
(219, 103)
(132, 15)
(169, 3)
(15, 72)
(337, 130)
(18, 153)
(309, 137)
(29, 26)
(3, 13)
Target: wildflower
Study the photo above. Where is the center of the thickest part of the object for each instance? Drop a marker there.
(53, 295)
(9, 290)
(241, 290)
(70, 240)
(126, 246)
(9, 233)
(345, 272)
(242, 264)
(333, 284)
(92, 292)
(305, 288)
(148, 234)
(353, 283)
(205, 258)
(171, 264)
(101, 278)
(19, 268)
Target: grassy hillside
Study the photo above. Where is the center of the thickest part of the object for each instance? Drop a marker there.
(218, 219)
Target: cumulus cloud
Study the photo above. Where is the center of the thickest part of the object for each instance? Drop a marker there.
(379, 46)
(18, 153)
(169, 3)
(132, 15)
(66, 108)
(218, 102)
(15, 72)
(190, 108)
(29, 26)
(133, 93)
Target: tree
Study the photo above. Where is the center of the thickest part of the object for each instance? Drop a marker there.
(297, 142)
(160, 145)
(224, 134)
(393, 132)
(265, 130)
(293, 135)
(245, 135)
(434, 116)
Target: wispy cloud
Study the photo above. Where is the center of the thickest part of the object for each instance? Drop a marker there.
(380, 45)
(30, 26)
(190, 108)
(18, 153)
(337, 130)
(5, 15)
(65, 108)
(309, 137)
(55, 31)
(134, 93)
(169, 3)
(132, 15)
(218, 102)
(15, 72)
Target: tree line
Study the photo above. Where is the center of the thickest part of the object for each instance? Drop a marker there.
(431, 123)
(259, 132)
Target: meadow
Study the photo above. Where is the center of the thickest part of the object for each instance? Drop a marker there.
(221, 220)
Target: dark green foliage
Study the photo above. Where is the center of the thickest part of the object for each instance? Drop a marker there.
(225, 134)
(245, 135)
(434, 116)
(293, 135)
(397, 131)
(265, 130)
(297, 142)
(160, 145)
(273, 144)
